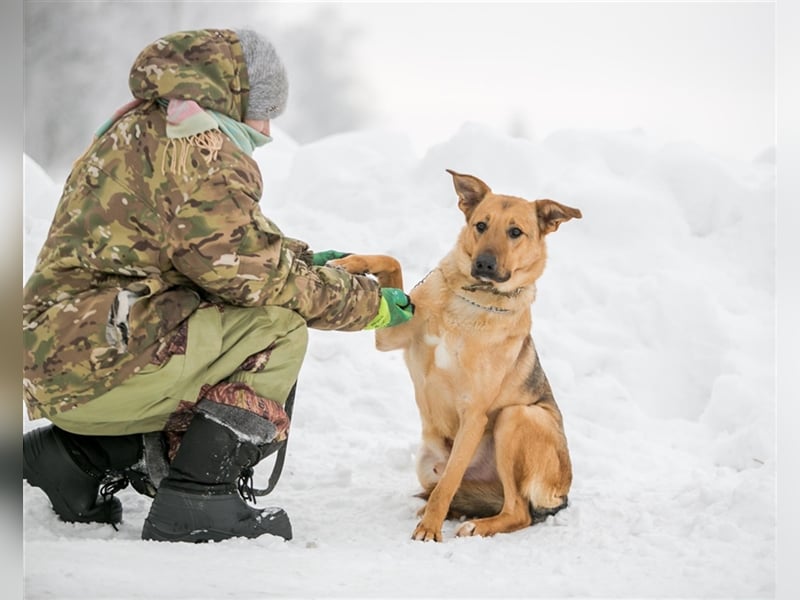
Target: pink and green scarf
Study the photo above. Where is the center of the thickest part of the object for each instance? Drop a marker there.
(186, 119)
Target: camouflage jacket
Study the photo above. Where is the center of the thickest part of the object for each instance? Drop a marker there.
(148, 228)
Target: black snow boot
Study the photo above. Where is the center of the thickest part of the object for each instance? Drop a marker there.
(71, 468)
(199, 500)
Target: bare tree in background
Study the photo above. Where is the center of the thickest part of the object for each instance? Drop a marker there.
(78, 54)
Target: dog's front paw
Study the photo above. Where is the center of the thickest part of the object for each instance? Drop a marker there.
(426, 533)
(353, 264)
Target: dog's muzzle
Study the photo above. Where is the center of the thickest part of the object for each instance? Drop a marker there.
(484, 267)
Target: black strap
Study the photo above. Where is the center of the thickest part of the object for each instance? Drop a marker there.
(278, 466)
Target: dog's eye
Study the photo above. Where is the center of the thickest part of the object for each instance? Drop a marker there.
(481, 226)
(514, 232)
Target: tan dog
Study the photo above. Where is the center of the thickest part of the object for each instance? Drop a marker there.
(493, 443)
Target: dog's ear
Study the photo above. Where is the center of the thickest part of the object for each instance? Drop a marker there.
(470, 190)
(551, 214)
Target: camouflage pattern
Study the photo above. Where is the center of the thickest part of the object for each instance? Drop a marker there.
(148, 229)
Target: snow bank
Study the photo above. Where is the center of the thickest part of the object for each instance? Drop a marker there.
(654, 322)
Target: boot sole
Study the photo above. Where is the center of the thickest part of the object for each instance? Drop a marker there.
(177, 516)
(280, 527)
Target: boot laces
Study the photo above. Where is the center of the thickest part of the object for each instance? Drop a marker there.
(111, 484)
(245, 485)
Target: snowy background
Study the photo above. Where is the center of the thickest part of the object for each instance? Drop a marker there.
(654, 320)
(654, 325)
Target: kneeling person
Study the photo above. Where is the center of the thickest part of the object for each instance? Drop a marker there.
(166, 320)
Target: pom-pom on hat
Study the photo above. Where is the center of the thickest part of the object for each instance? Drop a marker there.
(269, 87)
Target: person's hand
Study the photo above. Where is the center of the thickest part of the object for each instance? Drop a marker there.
(395, 308)
(320, 258)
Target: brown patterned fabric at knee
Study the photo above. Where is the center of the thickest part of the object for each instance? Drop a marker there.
(176, 426)
(175, 344)
(243, 396)
(255, 363)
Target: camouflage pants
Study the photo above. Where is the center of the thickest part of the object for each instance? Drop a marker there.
(244, 357)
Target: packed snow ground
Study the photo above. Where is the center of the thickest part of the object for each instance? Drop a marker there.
(654, 322)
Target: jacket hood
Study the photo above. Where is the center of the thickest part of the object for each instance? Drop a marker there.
(206, 66)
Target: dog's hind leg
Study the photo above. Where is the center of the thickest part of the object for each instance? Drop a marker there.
(533, 466)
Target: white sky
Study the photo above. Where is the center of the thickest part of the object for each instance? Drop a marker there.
(702, 72)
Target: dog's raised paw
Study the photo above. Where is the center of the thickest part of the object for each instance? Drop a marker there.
(351, 264)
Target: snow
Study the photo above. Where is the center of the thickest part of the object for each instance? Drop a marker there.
(654, 322)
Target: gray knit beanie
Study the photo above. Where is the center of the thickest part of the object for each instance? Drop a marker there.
(269, 87)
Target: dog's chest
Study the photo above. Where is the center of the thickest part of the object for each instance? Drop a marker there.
(441, 351)
(457, 339)
(458, 353)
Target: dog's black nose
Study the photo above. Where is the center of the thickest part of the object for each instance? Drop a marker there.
(485, 265)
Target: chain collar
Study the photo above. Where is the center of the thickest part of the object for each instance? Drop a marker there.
(494, 309)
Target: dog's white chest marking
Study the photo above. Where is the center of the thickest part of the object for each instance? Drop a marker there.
(443, 358)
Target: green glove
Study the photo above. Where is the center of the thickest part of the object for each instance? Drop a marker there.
(320, 258)
(395, 308)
